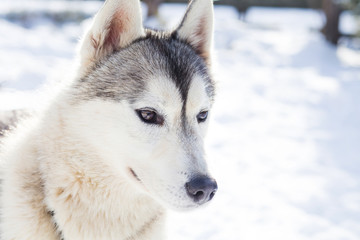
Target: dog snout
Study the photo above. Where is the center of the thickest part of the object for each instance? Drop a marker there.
(201, 189)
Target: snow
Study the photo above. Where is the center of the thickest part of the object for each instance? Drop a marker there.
(349, 23)
(283, 140)
(286, 18)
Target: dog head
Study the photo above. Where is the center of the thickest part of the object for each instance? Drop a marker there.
(152, 93)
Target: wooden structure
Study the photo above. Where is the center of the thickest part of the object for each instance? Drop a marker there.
(243, 5)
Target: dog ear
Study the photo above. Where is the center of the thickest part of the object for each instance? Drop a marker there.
(116, 25)
(197, 27)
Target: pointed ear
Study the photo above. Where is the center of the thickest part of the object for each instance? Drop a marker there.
(116, 25)
(197, 27)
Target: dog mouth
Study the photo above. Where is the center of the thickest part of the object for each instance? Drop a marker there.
(136, 178)
(132, 172)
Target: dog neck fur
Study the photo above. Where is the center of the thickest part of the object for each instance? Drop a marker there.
(93, 193)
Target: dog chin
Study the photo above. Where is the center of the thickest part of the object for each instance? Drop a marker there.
(185, 208)
(179, 207)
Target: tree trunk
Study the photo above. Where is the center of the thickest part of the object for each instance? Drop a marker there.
(153, 6)
(331, 29)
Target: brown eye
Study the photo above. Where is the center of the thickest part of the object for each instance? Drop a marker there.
(202, 116)
(150, 116)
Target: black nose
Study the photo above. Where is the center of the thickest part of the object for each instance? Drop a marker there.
(201, 189)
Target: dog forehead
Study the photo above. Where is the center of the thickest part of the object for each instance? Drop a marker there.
(180, 63)
(164, 65)
(197, 97)
(162, 91)
(165, 92)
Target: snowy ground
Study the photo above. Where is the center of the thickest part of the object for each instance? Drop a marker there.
(284, 139)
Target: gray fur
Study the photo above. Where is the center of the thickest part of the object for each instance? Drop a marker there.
(123, 74)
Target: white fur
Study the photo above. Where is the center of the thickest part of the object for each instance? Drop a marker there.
(75, 160)
(126, 15)
(197, 27)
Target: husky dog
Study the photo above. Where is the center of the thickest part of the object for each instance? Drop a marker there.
(123, 140)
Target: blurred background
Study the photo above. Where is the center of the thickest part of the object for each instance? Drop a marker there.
(284, 139)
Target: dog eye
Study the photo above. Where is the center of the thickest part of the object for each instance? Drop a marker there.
(150, 116)
(202, 116)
